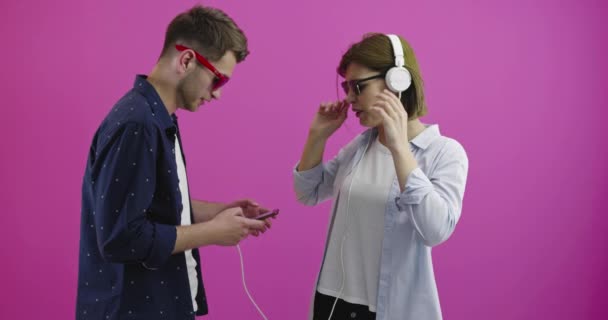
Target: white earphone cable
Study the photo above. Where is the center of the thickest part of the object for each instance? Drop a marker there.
(346, 234)
(245, 284)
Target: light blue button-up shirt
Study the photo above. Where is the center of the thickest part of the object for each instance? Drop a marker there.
(422, 216)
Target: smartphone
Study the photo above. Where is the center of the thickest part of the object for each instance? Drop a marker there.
(268, 214)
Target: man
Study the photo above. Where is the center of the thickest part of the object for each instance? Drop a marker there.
(140, 231)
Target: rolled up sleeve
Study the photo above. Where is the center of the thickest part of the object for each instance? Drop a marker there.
(434, 202)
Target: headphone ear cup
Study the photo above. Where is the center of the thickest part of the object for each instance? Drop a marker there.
(398, 79)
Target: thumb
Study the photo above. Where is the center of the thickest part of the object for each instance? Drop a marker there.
(246, 203)
(255, 224)
(252, 203)
(237, 211)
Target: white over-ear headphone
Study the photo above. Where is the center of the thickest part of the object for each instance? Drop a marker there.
(398, 79)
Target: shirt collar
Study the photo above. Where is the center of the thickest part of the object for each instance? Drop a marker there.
(141, 85)
(422, 140)
(427, 136)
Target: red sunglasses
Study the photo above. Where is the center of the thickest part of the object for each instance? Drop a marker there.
(219, 80)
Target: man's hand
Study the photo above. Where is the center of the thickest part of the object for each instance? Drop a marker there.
(231, 227)
(252, 209)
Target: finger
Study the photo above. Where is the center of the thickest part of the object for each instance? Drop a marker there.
(388, 96)
(380, 112)
(394, 102)
(254, 224)
(252, 211)
(343, 110)
(268, 223)
(250, 214)
(344, 106)
(386, 107)
(337, 107)
(241, 203)
(323, 107)
(392, 96)
(332, 107)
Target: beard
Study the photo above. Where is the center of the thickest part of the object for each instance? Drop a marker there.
(188, 93)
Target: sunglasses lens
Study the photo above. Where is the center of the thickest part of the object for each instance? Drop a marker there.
(359, 88)
(219, 82)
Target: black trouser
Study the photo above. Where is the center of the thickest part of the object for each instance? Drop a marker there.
(343, 310)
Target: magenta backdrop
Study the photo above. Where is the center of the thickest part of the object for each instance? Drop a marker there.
(522, 84)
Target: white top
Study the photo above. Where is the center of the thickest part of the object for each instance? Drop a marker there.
(360, 210)
(183, 188)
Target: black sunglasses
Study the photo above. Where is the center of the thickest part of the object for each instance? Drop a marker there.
(357, 84)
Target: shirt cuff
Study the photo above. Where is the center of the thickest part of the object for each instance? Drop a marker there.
(162, 247)
(311, 175)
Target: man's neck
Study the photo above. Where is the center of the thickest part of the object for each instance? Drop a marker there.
(165, 89)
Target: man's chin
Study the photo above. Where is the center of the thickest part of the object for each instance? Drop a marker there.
(193, 107)
(198, 106)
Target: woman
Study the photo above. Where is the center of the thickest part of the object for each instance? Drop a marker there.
(398, 189)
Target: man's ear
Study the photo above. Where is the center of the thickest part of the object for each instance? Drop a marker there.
(186, 60)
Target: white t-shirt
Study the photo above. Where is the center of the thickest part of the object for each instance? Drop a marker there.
(183, 187)
(365, 207)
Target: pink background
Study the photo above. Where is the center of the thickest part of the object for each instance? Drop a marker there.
(522, 84)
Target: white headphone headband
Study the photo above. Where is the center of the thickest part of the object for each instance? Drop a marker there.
(397, 50)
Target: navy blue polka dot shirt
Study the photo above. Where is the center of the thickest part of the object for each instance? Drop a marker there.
(131, 205)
